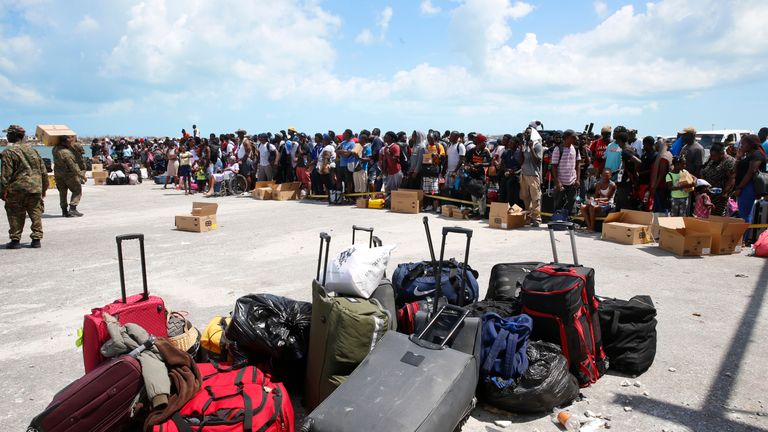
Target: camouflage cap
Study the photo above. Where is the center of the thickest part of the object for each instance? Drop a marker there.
(15, 129)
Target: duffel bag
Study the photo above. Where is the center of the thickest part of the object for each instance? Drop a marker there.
(413, 317)
(234, 400)
(416, 281)
(504, 342)
(629, 333)
(546, 383)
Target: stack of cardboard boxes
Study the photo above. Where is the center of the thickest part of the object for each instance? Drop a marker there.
(50, 134)
(406, 201)
(268, 190)
(503, 216)
(201, 219)
(99, 175)
(685, 236)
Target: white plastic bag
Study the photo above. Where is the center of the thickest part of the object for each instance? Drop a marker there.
(358, 270)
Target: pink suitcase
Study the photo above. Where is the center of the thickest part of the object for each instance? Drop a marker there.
(142, 309)
(100, 401)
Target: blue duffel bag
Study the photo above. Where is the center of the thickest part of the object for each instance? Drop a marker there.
(505, 340)
(416, 281)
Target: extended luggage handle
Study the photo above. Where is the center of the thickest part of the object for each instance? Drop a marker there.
(119, 239)
(571, 227)
(376, 242)
(369, 230)
(324, 237)
(439, 273)
(429, 239)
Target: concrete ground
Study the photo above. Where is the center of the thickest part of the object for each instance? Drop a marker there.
(710, 368)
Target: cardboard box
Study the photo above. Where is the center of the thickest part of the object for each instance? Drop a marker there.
(419, 192)
(97, 168)
(458, 213)
(448, 209)
(405, 201)
(361, 203)
(201, 219)
(49, 134)
(727, 234)
(685, 236)
(502, 216)
(100, 177)
(262, 193)
(629, 227)
(263, 184)
(426, 159)
(286, 191)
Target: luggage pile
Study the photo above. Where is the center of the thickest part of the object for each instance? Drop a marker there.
(414, 353)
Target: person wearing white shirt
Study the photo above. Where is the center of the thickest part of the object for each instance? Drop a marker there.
(267, 155)
(455, 152)
(635, 143)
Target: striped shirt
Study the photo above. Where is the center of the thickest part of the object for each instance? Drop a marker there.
(566, 164)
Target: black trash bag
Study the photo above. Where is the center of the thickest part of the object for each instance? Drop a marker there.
(271, 329)
(505, 309)
(545, 385)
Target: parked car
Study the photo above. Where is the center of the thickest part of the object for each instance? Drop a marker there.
(707, 138)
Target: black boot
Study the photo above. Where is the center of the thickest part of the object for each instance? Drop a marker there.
(73, 211)
(65, 212)
(36, 244)
(13, 244)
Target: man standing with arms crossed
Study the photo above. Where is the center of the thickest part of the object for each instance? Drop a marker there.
(530, 175)
(23, 182)
(565, 159)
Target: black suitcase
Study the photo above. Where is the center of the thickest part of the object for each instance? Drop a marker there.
(410, 383)
(561, 300)
(506, 280)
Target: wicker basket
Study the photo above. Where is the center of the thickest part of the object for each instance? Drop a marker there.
(189, 340)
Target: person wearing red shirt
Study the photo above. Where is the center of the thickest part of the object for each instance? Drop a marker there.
(598, 148)
(391, 158)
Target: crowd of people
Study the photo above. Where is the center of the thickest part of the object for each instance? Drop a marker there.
(581, 172)
(552, 171)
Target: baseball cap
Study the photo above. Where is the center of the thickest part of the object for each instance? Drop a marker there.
(688, 130)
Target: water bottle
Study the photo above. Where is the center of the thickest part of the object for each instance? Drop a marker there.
(566, 420)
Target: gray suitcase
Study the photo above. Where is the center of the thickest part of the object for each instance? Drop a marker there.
(408, 383)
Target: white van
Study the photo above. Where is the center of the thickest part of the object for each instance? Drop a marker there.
(707, 138)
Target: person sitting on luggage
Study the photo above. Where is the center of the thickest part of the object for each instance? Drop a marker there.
(602, 202)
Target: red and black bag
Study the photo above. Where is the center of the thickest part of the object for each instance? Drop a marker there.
(561, 300)
(234, 400)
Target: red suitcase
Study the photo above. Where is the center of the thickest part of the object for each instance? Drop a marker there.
(100, 401)
(142, 309)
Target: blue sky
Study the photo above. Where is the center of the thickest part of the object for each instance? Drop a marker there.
(152, 67)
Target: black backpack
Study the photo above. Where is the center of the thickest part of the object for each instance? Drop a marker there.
(629, 333)
(560, 299)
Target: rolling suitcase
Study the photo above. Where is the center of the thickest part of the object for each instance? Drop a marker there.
(343, 331)
(506, 280)
(561, 300)
(424, 382)
(100, 401)
(759, 217)
(143, 309)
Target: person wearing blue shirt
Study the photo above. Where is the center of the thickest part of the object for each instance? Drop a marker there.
(763, 135)
(613, 158)
(349, 159)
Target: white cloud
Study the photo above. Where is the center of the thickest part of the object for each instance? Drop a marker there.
(18, 94)
(365, 37)
(384, 18)
(87, 24)
(601, 7)
(427, 8)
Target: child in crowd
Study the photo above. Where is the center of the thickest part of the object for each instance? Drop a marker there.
(200, 177)
(680, 182)
(703, 205)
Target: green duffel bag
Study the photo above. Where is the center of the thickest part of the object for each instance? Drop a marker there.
(343, 331)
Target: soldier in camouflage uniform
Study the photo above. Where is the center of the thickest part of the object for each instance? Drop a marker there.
(23, 182)
(66, 168)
